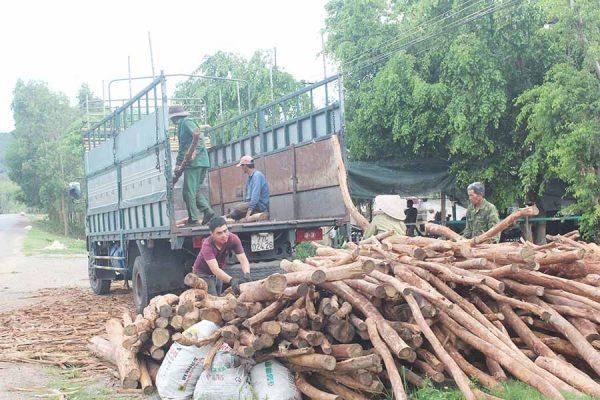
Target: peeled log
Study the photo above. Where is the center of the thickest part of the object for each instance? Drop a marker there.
(314, 361)
(266, 289)
(506, 223)
(126, 360)
(390, 365)
(343, 181)
(194, 281)
(569, 374)
(312, 392)
(444, 231)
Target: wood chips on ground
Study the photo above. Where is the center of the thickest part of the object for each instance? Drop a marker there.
(55, 331)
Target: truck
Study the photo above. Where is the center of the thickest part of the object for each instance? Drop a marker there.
(132, 206)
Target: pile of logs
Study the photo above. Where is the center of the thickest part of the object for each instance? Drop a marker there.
(362, 320)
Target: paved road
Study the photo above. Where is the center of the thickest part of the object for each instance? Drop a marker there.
(20, 276)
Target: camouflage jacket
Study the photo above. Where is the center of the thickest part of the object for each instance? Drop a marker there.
(481, 219)
(383, 223)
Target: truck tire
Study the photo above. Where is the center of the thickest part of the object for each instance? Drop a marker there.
(141, 295)
(99, 286)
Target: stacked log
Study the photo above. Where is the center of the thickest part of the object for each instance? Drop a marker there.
(353, 322)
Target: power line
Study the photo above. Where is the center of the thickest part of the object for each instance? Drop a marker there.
(414, 30)
(445, 29)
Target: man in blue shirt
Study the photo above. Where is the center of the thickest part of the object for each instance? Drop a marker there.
(256, 194)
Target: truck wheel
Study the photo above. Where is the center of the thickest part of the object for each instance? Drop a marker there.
(99, 286)
(141, 295)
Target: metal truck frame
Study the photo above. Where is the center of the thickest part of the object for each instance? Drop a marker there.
(133, 207)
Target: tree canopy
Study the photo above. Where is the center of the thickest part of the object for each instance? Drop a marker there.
(509, 99)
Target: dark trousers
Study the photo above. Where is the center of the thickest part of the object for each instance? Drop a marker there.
(240, 211)
(195, 201)
(215, 285)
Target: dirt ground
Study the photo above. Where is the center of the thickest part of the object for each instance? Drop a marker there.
(21, 279)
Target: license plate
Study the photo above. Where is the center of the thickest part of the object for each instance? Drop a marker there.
(262, 242)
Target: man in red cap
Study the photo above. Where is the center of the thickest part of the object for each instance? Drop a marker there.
(196, 169)
(256, 194)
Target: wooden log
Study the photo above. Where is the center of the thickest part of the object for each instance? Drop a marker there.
(510, 363)
(501, 272)
(145, 379)
(193, 341)
(358, 323)
(368, 288)
(326, 346)
(548, 258)
(190, 318)
(473, 263)
(524, 332)
(555, 282)
(129, 329)
(350, 381)
(164, 304)
(210, 314)
(289, 329)
(295, 292)
(311, 337)
(126, 361)
(430, 359)
(356, 270)
(410, 250)
(267, 313)
(161, 322)
(587, 328)
(265, 289)
(244, 310)
(314, 361)
(569, 374)
(157, 353)
(160, 337)
(443, 231)
(506, 223)
(384, 353)
(575, 297)
(286, 314)
(343, 182)
(314, 277)
(342, 331)
(357, 363)
(340, 390)
(194, 281)
(343, 311)
(176, 322)
(272, 328)
(187, 300)
(584, 348)
(349, 350)
(429, 371)
(283, 354)
(210, 356)
(230, 332)
(103, 348)
(312, 392)
(525, 290)
(474, 372)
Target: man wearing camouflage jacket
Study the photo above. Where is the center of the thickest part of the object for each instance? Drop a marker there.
(481, 214)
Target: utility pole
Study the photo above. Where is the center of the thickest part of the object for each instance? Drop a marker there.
(323, 54)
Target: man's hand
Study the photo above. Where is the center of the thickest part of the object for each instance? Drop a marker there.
(246, 278)
(177, 168)
(235, 285)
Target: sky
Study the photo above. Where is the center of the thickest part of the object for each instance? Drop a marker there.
(66, 43)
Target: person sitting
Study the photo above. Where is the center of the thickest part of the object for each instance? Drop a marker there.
(256, 193)
(388, 216)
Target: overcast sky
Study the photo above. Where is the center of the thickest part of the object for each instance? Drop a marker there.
(66, 43)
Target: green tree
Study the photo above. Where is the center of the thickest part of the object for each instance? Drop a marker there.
(221, 97)
(457, 95)
(46, 151)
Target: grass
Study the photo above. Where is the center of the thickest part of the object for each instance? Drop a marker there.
(42, 235)
(512, 390)
(305, 250)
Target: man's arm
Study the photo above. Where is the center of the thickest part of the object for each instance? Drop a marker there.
(244, 263)
(217, 271)
(493, 219)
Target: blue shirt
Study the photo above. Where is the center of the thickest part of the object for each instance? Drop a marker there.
(257, 192)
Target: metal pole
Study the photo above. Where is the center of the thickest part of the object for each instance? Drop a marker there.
(443, 209)
(129, 75)
(324, 58)
(103, 100)
(237, 84)
(151, 55)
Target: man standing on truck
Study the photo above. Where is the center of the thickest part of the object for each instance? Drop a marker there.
(481, 214)
(256, 194)
(194, 165)
(212, 258)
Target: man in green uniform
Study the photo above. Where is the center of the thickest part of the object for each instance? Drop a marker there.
(481, 214)
(389, 216)
(195, 169)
